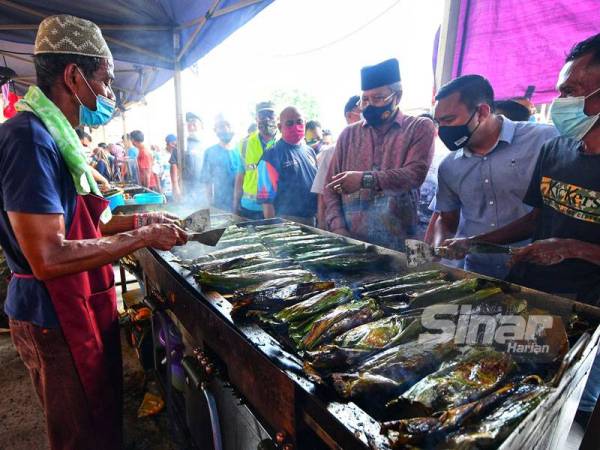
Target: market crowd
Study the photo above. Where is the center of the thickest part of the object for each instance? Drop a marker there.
(505, 181)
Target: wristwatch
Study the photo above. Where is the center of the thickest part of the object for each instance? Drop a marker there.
(368, 180)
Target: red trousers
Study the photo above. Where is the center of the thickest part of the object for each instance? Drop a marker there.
(46, 355)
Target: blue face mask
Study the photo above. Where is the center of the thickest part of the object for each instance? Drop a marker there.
(569, 117)
(105, 108)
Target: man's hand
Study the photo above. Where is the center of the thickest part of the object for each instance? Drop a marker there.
(162, 217)
(346, 182)
(163, 236)
(546, 252)
(456, 248)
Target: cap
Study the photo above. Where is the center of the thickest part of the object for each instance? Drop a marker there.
(171, 138)
(265, 106)
(72, 35)
(189, 116)
(382, 74)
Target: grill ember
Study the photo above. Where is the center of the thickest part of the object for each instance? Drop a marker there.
(343, 309)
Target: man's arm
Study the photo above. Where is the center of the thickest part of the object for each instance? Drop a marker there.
(42, 240)
(334, 216)
(416, 164)
(102, 182)
(174, 172)
(268, 210)
(237, 192)
(121, 223)
(444, 226)
(552, 251)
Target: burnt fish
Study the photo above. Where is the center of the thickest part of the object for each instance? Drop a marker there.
(470, 377)
(277, 298)
(358, 343)
(392, 371)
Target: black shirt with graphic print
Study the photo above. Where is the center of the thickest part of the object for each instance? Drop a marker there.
(566, 188)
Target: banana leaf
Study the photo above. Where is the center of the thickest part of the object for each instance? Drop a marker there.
(488, 420)
(314, 305)
(339, 320)
(447, 293)
(335, 251)
(493, 429)
(409, 278)
(392, 371)
(406, 288)
(476, 374)
(358, 343)
(346, 262)
(218, 265)
(297, 248)
(227, 283)
(276, 298)
(237, 250)
(259, 264)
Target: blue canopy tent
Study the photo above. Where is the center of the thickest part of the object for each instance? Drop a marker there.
(151, 40)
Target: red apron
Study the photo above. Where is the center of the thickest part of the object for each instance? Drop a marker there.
(86, 306)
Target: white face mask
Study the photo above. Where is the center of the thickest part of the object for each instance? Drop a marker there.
(569, 117)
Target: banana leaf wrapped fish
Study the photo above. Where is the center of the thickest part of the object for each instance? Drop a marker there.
(231, 252)
(497, 426)
(276, 298)
(358, 343)
(314, 305)
(406, 288)
(409, 278)
(346, 262)
(276, 283)
(276, 228)
(339, 320)
(260, 264)
(297, 248)
(392, 371)
(218, 265)
(228, 283)
(445, 293)
(476, 374)
(334, 251)
(486, 421)
(300, 237)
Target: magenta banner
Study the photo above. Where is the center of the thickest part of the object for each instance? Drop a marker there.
(518, 43)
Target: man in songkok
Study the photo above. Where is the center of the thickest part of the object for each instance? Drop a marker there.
(379, 164)
(60, 240)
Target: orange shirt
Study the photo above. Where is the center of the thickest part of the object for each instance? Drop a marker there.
(144, 159)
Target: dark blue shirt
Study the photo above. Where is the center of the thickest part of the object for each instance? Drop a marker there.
(285, 177)
(219, 169)
(33, 179)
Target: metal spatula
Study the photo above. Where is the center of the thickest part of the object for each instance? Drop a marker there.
(210, 237)
(197, 221)
(419, 252)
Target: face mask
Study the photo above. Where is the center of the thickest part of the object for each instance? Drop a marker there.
(457, 136)
(293, 135)
(376, 115)
(225, 136)
(105, 108)
(569, 117)
(267, 127)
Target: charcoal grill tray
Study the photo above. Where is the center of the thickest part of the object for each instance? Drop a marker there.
(340, 422)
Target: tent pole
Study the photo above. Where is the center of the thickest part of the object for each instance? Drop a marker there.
(178, 107)
(447, 45)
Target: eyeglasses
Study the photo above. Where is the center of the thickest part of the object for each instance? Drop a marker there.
(375, 100)
(291, 123)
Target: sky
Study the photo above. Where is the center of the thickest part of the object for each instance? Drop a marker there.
(314, 46)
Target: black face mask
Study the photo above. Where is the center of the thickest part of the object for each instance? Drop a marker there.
(376, 115)
(456, 137)
(225, 136)
(267, 127)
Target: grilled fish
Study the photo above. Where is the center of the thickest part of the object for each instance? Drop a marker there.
(228, 283)
(345, 262)
(474, 375)
(314, 305)
(339, 320)
(409, 278)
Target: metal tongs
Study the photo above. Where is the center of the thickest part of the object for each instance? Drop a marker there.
(419, 252)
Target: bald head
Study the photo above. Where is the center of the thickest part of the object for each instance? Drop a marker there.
(291, 125)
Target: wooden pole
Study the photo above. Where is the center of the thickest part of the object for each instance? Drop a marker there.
(178, 108)
(447, 44)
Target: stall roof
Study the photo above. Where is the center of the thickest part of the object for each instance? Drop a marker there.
(149, 39)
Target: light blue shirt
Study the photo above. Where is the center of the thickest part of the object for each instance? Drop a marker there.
(488, 190)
